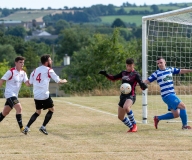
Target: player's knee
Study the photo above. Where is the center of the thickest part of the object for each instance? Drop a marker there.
(176, 114)
(181, 106)
(38, 112)
(52, 109)
(120, 117)
(5, 113)
(18, 108)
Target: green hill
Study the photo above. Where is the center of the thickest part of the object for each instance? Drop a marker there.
(29, 15)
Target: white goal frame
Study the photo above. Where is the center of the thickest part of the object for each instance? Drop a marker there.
(145, 19)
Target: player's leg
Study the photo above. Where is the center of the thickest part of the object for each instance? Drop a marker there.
(183, 115)
(38, 105)
(172, 102)
(121, 112)
(48, 104)
(13, 102)
(127, 107)
(123, 118)
(33, 118)
(5, 112)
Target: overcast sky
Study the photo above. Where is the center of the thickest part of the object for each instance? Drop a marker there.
(38, 4)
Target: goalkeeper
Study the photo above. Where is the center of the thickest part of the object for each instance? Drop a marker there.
(165, 80)
(127, 100)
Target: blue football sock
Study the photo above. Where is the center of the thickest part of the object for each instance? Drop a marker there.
(131, 117)
(127, 122)
(166, 116)
(183, 116)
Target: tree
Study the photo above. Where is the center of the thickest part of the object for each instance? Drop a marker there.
(5, 12)
(34, 23)
(17, 31)
(73, 40)
(32, 59)
(4, 65)
(7, 53)
(155, 8)
(118, 23)
(103, 53)
(61, 25)
(2, 28)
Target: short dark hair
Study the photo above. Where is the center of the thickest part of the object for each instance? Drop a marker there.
(158, 58)
(44, 58)
(19, 58)
(130, 61)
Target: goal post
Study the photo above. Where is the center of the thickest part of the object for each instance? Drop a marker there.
(168, 35)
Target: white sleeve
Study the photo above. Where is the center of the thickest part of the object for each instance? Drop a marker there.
(7, 75)
(54, 76)
(25, 77)
(31, 77)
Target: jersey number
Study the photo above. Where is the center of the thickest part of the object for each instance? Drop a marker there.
(38, 78)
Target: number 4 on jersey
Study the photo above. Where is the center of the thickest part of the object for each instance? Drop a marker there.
(38, 78)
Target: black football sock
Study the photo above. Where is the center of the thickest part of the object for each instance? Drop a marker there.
(19, 120)
(47, 118)
(32, 119)
(1, 116)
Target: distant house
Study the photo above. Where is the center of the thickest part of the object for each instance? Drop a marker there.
(39, 34)
(30, 25)
(27, 25)
(12, 23)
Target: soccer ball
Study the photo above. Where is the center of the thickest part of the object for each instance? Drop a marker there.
(125, 88)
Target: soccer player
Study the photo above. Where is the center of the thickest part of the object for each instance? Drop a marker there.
(164, 77)
(40, 79)
(14, 79)
(127, 100)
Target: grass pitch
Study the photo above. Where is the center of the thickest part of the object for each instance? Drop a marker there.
(87, 128)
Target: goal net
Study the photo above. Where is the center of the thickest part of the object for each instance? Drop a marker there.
(168, 35)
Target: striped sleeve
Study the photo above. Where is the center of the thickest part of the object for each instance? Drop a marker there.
(153, 77)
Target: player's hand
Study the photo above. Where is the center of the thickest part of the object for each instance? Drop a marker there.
(144, 86)
(63, 81)
(103, 72)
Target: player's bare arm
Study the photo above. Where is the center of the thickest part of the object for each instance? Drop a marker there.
(183, 71)
(27, 83)
(63, 81)
(146, 82)
(1, 82)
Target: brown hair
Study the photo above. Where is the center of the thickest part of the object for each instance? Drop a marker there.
(19, 58)
(130, 61)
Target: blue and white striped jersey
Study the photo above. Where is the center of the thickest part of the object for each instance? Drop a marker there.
(165, 80)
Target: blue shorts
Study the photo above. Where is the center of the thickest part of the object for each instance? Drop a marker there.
(172, 101)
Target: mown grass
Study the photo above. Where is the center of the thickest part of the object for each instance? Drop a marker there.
(29, 15)
(87, 128)
(137, 19)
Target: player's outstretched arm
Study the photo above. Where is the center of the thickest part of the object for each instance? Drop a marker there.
(63, 81)
(183, 71)
(103, 72)
(27, 83)
(146, 81)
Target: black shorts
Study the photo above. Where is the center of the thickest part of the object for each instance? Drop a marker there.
(11, 101)
(124, 97)
(44, 104)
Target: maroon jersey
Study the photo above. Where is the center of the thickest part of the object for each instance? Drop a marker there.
(128, 77)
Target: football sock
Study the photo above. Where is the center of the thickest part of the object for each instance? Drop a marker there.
(47, 118)
(131, 117)
(183, 116)
(127, 122)
(166, 116)
(19, 120)
(1, 116)
(32, 119)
